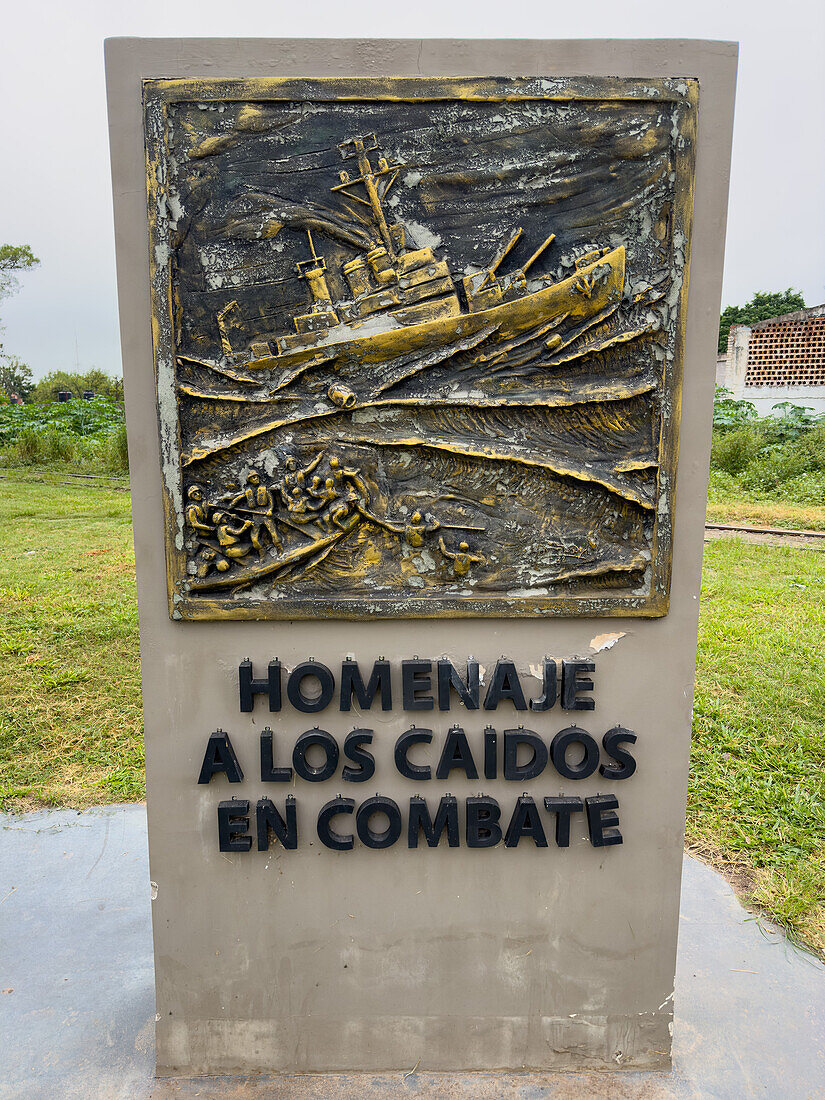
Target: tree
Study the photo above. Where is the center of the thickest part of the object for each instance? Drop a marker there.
(14, 258)
(762, 306)
(15, 377)
(95, 380)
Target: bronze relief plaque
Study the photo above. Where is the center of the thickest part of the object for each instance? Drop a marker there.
(419, 342)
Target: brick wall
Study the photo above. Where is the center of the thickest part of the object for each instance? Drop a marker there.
(788, 351)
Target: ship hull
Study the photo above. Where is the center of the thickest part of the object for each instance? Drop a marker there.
(592, 289)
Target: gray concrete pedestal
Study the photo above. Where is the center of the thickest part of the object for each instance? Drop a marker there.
(77, 1002)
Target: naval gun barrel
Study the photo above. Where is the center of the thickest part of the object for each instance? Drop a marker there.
(537, 253)
(494, 266)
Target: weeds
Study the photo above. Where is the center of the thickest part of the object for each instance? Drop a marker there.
(90, 435)
(119, 450)
(734, 451)
(775, 458)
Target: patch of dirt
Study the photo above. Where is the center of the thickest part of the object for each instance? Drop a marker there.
(741, 877)
(767, 536)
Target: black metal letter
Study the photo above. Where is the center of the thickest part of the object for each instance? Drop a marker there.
(413, 681)
(558, 753)
(220, 757)
(296, 696)
(249, 686)
(456, 754)
(299, 755)
(233, 821)
(365, 760)
(482, 828)
(448, 677)
(612, 741)
(269, 773)
(490, 753)
(534, 767)
(378, 805)
(548, 696)
(525, 822)
(402, 747)
(571, 684)
(602, 821)
(268, 817)
(505, 684)
(446, 817)
(352, 684)
(563, 808)
(339, 842)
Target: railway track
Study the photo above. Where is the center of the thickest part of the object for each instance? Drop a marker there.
(769, 536)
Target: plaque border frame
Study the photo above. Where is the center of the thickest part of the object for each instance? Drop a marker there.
(159, 93)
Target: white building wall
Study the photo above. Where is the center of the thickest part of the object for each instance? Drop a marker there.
(765, 397)
(731, 368)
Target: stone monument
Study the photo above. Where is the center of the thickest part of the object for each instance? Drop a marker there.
(419, 376)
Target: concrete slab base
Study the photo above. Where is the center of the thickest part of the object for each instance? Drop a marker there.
(77, 1000)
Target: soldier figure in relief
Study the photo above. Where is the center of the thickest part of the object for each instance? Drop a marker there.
(462, 559)
(414, 530)
(258, 500)
(295, 478)
(196, 513)
(230, 538)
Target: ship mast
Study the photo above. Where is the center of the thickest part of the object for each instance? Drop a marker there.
(358, 148)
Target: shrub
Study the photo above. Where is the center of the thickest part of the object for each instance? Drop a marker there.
(85, 433)
(98, 417)
(57, 446)
(769, 470)
(729, 414)
(789, 423)
(782, 463)
(733, 451)
(782, 455)
(812, 444)
(28, 446)
(118, 451)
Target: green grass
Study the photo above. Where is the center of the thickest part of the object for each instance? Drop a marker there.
(70, 728)
(70, 723)
(757, 785)
(728, 502)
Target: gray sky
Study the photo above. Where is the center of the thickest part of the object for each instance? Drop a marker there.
(55, 189)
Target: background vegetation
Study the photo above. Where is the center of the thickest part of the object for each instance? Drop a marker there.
(84, 436)
(15, 376)
(769, 469)
(94, 380)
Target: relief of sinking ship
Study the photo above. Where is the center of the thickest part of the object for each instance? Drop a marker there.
(439, 360)
(407, 313)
